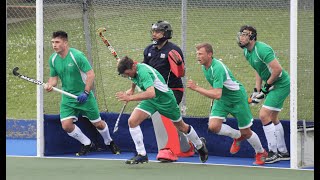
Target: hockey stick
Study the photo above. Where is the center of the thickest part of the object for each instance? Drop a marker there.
(106, 42)
(15, 72)
(115, 55)
(115, 129)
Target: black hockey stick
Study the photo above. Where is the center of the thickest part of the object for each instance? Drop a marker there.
(37, 82)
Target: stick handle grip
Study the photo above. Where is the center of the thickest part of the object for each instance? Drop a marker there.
(64, 92)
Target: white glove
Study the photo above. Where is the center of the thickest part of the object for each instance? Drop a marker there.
(256, 97)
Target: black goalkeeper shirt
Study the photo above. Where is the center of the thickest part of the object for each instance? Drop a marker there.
(158, 59)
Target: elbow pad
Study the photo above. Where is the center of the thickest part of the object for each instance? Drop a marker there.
(176, 63)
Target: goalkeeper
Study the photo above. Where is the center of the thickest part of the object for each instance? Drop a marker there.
(167, 58)
(77, 76)
(156, 96)
(276, 88)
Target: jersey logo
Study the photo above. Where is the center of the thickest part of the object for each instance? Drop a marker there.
(70, 64)
(162, 55)
(149, 54)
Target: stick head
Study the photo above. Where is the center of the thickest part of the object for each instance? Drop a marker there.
(15, 71)
(101, 30)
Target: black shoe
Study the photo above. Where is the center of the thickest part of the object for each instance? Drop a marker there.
(114, 148)
(85, 149)
(138, 159)
(283, 156)
(272, 157)
(203, 151)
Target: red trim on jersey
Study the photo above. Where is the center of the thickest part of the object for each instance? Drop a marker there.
(178, 89)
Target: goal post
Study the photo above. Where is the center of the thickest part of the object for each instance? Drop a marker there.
(39, 58)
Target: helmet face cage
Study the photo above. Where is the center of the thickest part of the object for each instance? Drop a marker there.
(253, 35)
(163, 26)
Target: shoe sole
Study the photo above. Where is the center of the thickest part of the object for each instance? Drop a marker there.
(270, 162)
(165, 160)
(234, 152)
(258, 164)
(138, 162)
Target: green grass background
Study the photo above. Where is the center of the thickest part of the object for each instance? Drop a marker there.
(128, 31)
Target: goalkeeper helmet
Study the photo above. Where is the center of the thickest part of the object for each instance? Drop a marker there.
(165, 27)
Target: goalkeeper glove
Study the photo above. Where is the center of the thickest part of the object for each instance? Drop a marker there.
(256, 97)
(83, 97)
(266, 88)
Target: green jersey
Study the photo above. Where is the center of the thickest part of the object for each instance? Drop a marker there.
(164, 102)
(148, 76)
(219, 76)
(260, 57)
(71, 70)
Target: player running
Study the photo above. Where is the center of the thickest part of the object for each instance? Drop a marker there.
(77, 76)
(229, 97)
(155, 96)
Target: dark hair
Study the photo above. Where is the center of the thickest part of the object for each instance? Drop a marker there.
(207, 46)
(60, 34)
(124, 64)
(252, 29)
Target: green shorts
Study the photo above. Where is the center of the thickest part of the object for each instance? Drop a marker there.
(240, 110)
(169, 109)
(275, 98)
(88, 109)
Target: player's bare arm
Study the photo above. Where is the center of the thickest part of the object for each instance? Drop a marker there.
(148, 94)
(89, 80)
(276, 71)
(212, 93)
(131, 90)
(258, 82)
(52, 82)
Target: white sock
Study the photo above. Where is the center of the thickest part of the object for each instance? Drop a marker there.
(226, 130)
(255, 143)
(194, 138)
(137, 137)
(270, 132)
(281, 144)
(105, 134)
(78, 135)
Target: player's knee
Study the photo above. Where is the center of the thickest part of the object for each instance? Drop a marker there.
(132, 123)
(214, 128)
(100, 125)
(67, 127)
(182, 126)
(246, 133)
(264, 118)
